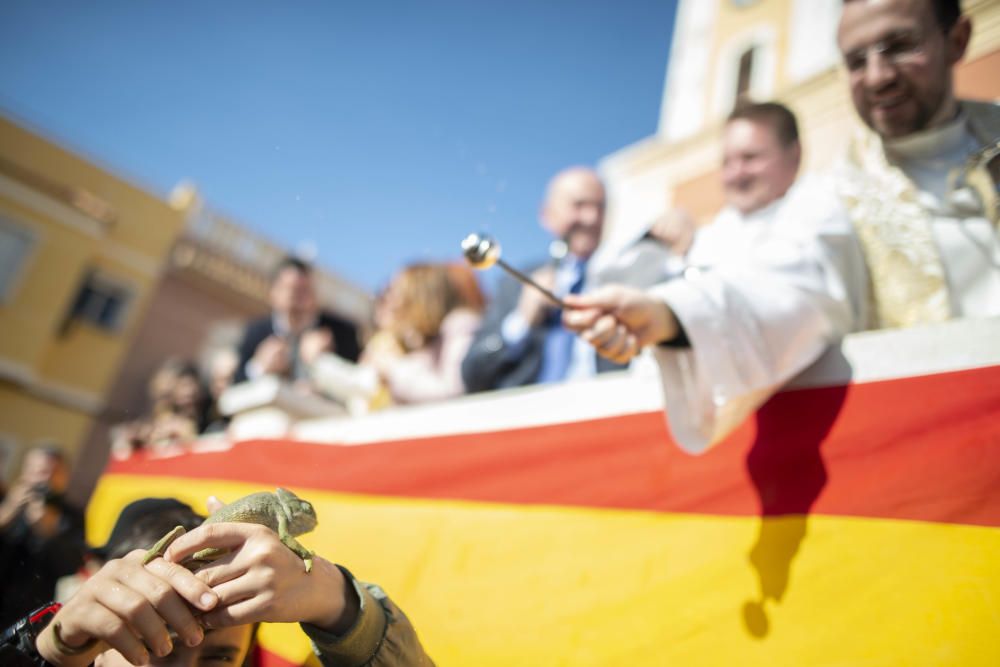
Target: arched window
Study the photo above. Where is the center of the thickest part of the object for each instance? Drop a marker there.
(745, 68)
(744, 75)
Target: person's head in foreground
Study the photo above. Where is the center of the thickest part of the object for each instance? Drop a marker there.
(141, 524)
(162, 614)
(899, 56)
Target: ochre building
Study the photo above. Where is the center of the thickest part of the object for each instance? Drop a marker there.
(81, 251)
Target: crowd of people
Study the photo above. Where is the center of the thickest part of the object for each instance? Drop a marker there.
(894, 236)
(733, 309)
(435, 336)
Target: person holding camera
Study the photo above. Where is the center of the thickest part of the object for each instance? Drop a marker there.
(41, 536)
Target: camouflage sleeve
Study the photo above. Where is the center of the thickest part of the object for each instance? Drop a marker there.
(382, 636)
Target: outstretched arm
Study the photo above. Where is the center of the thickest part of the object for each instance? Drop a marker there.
(619, 321)
(752, 322)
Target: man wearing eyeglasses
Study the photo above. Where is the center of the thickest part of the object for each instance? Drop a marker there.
(932, 244)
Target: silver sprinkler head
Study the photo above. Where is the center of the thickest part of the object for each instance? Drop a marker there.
(480, 250)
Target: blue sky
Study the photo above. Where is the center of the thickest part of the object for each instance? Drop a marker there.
(381, 132)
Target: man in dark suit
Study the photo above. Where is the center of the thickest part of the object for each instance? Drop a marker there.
(522, 340)
(271, 346)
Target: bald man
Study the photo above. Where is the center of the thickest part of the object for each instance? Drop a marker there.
(522, 340)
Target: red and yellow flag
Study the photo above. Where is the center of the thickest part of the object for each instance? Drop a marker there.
(850, 525)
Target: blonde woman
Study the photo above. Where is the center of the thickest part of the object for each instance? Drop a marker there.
(428, 316)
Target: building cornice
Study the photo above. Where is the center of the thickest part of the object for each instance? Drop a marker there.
(67, 397)
(81, 200)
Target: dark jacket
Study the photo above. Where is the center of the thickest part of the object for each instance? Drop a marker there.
(30, 564)
(489, 365)
(345, 339)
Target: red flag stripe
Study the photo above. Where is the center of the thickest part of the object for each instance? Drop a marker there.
(924, 448)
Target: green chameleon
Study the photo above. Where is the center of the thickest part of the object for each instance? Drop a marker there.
(282, 511)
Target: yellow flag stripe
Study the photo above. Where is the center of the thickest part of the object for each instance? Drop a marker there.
(493, 584)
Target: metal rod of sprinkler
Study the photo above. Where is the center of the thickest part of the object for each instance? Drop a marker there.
(482, 252)
(528, 280)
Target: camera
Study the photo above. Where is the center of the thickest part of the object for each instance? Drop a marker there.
(47, 494)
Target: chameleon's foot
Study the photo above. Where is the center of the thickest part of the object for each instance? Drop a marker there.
(298, 549)
(161, 546)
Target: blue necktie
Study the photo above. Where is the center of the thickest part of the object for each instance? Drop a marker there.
(557, 350)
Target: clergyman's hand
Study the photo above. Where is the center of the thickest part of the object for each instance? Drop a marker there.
(619, 321)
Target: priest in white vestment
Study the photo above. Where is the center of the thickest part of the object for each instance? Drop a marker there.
(771, 287)
(775, 278)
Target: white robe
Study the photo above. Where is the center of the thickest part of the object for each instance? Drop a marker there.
(762, 298)
(777, 287)
(968, 241)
